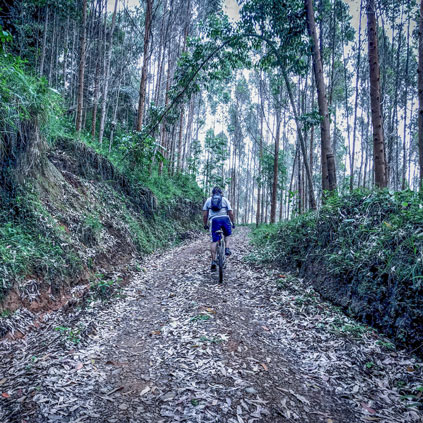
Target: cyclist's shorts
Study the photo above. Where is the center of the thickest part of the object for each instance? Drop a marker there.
(220, 222)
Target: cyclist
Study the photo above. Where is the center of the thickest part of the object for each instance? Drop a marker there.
(218, 214)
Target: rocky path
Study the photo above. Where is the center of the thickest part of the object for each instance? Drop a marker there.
(176, 346)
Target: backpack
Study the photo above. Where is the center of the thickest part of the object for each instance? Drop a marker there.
(216, 202)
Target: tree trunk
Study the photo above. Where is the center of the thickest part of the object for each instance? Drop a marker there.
(328, 169)
(356, 97)
(259, 182)
(106, 77)
(404, 143)
(65, 56)
(350, 148)
(275, 169)
(161, 54)
(377, 121)
(44, 46)
(54, 41)
(72, 66)
(96, 93)
(312, 199)
(420, 90)
(116, 106)
(141, 102)
(181, 130)
(80, 104)
(363, 150)
(163, 129)
(393, 127)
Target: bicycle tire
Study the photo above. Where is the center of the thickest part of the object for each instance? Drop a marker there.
(221, 260)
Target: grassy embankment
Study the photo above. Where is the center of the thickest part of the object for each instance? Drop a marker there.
(364, 252)
(69, 206)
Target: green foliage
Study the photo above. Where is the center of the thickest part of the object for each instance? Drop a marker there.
(200, 317)
(104, 288)
(371, 243)
(23, 96)
(71, 335)
(139, 160)
(216, 149)
(5, 36)
(30, 244)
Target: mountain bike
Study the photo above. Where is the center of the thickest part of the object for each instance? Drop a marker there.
(220, 254)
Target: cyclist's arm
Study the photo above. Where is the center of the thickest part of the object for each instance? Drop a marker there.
(231, 216)
(205, 217)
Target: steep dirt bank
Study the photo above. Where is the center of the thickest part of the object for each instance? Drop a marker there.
(177, 346)
(362, 251)
(76, 220)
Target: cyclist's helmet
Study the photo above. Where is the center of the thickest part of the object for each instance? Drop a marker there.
(217, 190)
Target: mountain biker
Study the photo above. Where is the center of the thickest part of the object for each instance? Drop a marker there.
(218, 214)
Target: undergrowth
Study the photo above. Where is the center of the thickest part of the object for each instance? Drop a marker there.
(364, 251)
(51, 228)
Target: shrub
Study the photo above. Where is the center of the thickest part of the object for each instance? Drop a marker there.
(363, 251)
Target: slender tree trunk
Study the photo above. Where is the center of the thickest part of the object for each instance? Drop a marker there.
(259, 206)
(328, 160)
(181, 130)
(367, 141)
(347, 113)
(65, 56)
(96, 95)
(44, 45)
(147, 30)
(52, 48)
(116, 106)
(188, 133)
(404, 141)
(377, 121)
(362, 151)
(420, 90)
(162, 53)
(164, 141)
(72, 66)
(393, 131)
(98, 61)
(275, 169)
(80, 104)
(356, 97)
(333, 50)
(301, 140)
(106, 77)
(299, 187)
(290, 193)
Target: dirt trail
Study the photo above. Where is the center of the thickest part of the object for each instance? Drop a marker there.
(179, 347)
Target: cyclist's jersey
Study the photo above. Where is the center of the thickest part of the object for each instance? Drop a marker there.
(226, 207)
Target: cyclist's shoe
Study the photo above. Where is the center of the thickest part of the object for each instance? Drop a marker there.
(213, 266)
(228, 252)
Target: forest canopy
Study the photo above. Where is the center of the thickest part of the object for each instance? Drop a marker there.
(287, 102)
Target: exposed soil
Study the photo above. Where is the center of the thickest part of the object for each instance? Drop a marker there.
(177, 346)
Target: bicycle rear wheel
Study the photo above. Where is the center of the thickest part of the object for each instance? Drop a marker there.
(221, 260)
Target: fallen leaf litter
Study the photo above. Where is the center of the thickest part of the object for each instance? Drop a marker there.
(178, 347)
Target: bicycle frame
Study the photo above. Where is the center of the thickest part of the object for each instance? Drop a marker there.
(220, 252)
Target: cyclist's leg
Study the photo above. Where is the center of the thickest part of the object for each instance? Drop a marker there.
(214, 227)
(213, 248)
(227, 241)
(227, 231)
